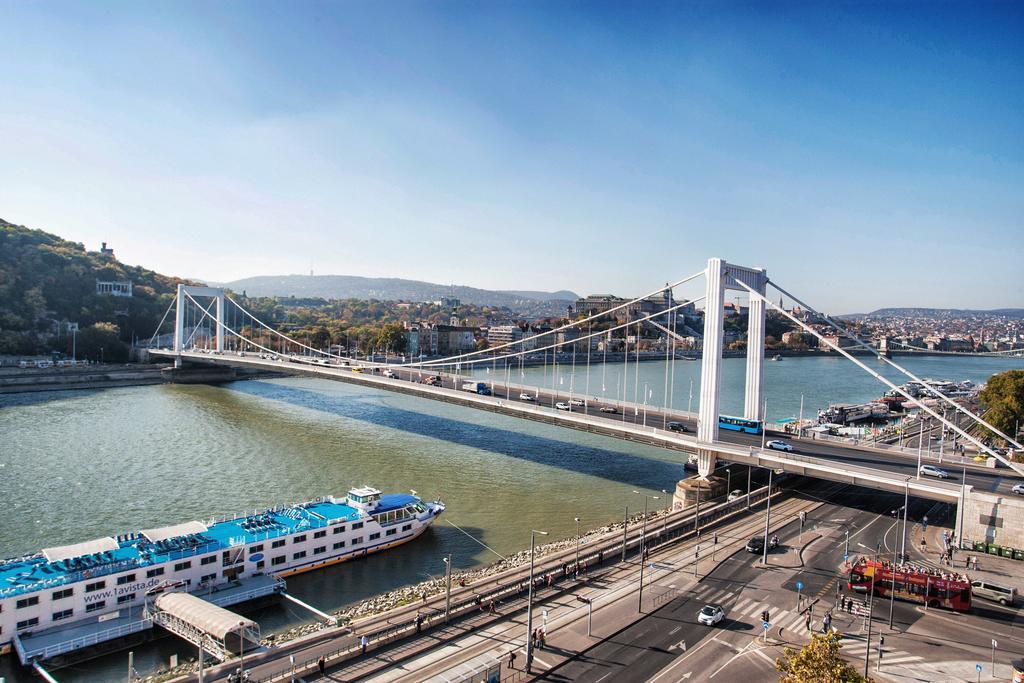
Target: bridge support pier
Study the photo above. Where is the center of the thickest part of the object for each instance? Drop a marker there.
(753, 406)
(721, 276)
(184, 292)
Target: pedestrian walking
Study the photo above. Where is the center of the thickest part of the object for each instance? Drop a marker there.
(541, 639)
(975, 563)
(419, 622)
(321, 665)
(492, 610)
(551, 580)
(363, 642)
(512, 659)
(423, 596)
(807, 622)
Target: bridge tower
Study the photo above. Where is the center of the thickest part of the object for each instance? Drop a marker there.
(184, 291)
(722, 276)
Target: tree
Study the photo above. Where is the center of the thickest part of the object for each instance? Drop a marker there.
(818, 662)
(1003, 396)
(101, 342)
(392, 338)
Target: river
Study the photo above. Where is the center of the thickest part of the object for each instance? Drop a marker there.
(83, 464)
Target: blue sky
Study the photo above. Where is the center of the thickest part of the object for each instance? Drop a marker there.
(866, 154)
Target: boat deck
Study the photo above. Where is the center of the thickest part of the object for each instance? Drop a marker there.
(57, 640)
(35, 573)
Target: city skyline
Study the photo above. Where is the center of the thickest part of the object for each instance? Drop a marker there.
(870, 155)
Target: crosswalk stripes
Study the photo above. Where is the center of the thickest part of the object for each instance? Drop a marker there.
(856, 648)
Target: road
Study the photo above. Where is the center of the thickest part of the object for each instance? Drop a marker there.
(669, 644)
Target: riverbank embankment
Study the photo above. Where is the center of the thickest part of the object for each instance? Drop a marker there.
(100, 376)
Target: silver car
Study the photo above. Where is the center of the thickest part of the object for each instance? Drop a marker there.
(933, 471)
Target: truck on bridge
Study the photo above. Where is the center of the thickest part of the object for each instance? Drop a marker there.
(476, 388)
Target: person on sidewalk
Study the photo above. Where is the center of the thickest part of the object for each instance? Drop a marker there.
(363, 642)
(321, 664)
(807, 621)
(512, 659)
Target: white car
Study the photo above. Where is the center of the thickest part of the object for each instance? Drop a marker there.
(1018, 488)
(711, 615)
(389, 373)
(562, 406)
(608, 409)
(777, 445)
(577, 402)
(933, 471)
(526, 397)
(736, 495)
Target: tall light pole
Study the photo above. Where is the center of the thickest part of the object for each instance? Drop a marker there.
(448, 589)
(728, 485)
(764, 421)
(241, 650)
(643, 550)
(577, 544)
(892, 577)
(767, 517)
(800, 423)
(906, 505)
(529, 602)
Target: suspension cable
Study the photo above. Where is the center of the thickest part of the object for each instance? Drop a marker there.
(881, 378)
(956, 406)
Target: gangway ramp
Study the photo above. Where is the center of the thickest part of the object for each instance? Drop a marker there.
(216, 630)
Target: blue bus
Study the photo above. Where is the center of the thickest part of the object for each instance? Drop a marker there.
(739, 424)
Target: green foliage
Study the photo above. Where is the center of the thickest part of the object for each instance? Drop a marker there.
(45, 279)
(817, 662)
(391, 338)
(1003, 397)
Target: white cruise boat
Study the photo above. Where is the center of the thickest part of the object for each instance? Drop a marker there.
(97, 585)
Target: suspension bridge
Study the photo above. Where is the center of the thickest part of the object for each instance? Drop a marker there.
(211, 328)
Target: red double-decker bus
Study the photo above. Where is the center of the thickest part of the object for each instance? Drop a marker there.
(933, 588)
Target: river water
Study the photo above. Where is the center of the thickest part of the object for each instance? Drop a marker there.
(79, 465)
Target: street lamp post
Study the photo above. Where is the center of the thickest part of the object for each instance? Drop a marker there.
(577, 544)
(767, 517)
(241, 650)
(871, 614)
(643, 549)
(448, 589)
(906, 505)
(750, 471)
(529, 602)
(728, 484)
(764, 419)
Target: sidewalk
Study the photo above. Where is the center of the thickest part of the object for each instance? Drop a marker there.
(999, 570)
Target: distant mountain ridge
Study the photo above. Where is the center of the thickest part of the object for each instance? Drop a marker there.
(934, 312)
(386, 289)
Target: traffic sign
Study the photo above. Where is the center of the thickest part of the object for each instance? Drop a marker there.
(765, 625)
(977, 667)
(846, 558)
(799, 585)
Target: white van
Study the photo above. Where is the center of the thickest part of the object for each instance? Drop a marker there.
(1004, 595)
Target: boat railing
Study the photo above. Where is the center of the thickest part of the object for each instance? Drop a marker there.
(27, 655)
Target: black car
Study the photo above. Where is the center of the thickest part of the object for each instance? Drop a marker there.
(756, 544)
(677, 427)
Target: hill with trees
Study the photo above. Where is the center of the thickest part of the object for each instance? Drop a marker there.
(47, 281)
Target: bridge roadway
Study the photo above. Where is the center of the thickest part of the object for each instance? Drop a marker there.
(880, 469)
